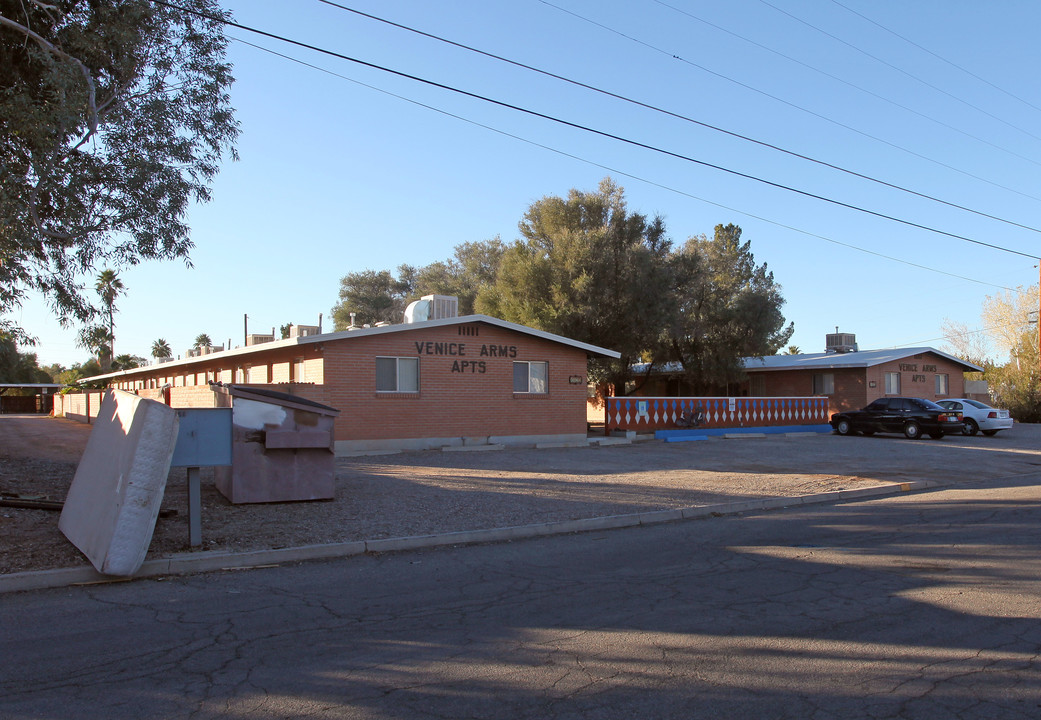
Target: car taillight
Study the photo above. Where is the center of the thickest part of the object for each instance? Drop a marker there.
(991, 415)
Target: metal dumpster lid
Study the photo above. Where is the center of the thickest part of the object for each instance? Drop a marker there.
(276, 398)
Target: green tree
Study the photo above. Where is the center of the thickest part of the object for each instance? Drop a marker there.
(727, 308)
(78, 371)
(114, 118)
(109, 287)
(54, 370)
(794, 350)
(19, 367)
(126, 362)
(473, 267)
(161, 349)
(202, 340)
(590, 270)
(373, 296)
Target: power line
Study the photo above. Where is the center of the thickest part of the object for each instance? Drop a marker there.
(985, 330)
(678, 116)
(805, 110)
(616, 171)
(898, 69)
(577, 126)
(937, 56)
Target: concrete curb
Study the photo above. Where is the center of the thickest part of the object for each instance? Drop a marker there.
(188, 563)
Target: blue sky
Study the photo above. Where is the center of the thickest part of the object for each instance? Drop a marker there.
(341, 175)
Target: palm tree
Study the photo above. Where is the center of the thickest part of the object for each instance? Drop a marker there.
(794, 350)
(125, 362)
(203, 340)
(161, 349)
(109, 287)
(98, 341)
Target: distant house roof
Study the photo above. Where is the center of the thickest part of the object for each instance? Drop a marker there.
(838, 361)
(367, 332)
(825, 361)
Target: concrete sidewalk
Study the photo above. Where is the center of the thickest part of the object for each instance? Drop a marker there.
(189, 563)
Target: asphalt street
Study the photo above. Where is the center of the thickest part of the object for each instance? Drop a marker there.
(914, 606)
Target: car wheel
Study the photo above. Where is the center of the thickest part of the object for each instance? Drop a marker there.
(842, 427)
(912, 430)
(936, 435)
(971, 428)
(990, 433)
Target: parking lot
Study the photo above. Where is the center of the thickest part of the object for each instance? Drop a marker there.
(434, 492)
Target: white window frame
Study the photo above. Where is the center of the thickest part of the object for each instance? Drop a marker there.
(892, 379)
(943, 384)
(533, 381)
(399, 364)
(823, 383)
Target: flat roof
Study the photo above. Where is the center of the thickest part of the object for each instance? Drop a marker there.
(829, 361)
(364, 332)
(857, 359)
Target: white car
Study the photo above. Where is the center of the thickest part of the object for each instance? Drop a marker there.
(979, 416)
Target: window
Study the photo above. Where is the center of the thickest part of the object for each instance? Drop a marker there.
(892, 383)
(530, 377)
(823, 383)
(397, 374)
(942, 387)
(756, 385)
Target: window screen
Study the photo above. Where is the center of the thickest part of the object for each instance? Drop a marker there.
(530, 377)
(394, 374)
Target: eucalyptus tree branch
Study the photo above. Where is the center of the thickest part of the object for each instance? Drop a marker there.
(92, 117)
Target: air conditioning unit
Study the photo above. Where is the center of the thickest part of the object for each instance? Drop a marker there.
(303, 330)
(840, 342)
(258, 339)
(432, 307)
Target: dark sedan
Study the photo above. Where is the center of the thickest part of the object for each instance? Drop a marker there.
(910, 416)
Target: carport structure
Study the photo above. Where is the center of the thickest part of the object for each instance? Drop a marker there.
(41, 401)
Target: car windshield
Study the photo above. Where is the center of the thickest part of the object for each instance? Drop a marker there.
(926, 404)
(977, 404)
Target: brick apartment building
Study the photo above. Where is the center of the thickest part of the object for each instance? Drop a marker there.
(850, 379)
(444, 382)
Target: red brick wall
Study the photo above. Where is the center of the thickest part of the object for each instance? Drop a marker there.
(850, 386)
(462, 392)
(853, 388)
(918, 377)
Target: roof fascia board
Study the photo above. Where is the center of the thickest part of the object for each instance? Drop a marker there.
(362, 332)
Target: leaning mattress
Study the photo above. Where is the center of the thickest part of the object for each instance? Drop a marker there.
(113, 502)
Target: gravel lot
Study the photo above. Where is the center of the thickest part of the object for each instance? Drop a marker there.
(430, 492)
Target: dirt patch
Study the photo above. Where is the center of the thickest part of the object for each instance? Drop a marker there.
(431, 492)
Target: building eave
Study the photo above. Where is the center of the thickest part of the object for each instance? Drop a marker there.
(853, 360)
(237, 353)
